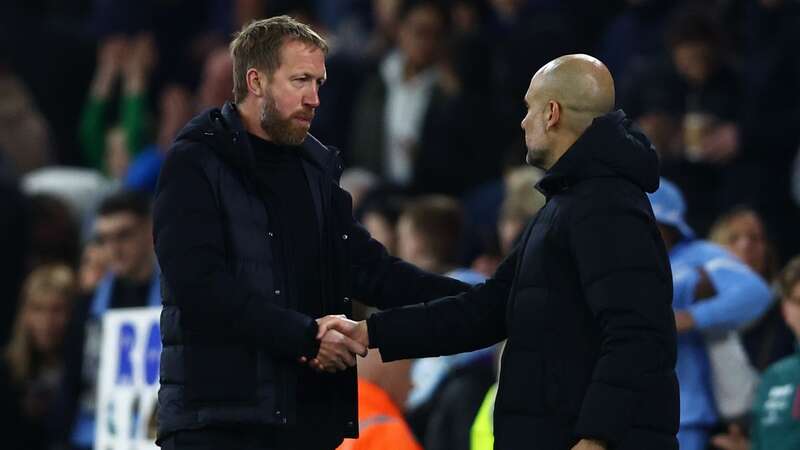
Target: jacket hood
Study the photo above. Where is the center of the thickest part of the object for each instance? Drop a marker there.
(611, 147)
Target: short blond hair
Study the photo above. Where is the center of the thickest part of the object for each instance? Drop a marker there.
(258, 45)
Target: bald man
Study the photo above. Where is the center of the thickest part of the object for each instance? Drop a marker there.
(584, 299)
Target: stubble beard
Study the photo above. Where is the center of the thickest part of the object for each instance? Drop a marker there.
(537, 158)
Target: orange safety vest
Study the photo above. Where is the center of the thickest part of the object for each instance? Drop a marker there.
(381, 424)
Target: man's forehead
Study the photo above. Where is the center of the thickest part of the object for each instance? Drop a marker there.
(293, 51)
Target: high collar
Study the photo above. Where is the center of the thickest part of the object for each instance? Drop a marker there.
(611, 147)
(224, 130)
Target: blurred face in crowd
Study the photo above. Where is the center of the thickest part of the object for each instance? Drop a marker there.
(384, 12)
(176, 107)
(746, 239)
(291, 95)
(217, 84)
(381, 230)
(694, 61)
(410, 246)
(46, 315)
(127, 243)
(791, 309)
(507, 8)
(419, 36)
(508, 230)
(93, 266)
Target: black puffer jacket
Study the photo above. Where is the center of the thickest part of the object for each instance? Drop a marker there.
(231, 336)
(585, 302)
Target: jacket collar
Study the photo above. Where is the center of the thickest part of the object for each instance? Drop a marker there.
(312, 150)
(611, 147)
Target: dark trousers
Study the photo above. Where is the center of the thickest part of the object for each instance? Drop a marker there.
(242, 439)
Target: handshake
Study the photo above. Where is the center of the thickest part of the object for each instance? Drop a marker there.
(340, 340)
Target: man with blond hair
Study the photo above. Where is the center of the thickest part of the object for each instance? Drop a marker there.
(256, 240)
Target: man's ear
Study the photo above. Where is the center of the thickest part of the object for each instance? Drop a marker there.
(255, 82)
(553, 114)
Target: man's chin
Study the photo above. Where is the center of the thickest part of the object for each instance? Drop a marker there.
(536, 159)
(298, 136)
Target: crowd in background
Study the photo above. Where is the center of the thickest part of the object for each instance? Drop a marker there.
(424, 100)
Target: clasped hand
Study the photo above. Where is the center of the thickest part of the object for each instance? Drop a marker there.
(340, 340)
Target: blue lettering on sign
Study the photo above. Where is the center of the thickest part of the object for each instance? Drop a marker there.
(152, 355)
(127, 337)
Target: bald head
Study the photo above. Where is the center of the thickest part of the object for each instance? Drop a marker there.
(564, 96)
(581, 84)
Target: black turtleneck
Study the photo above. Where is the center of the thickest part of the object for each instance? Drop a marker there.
(285, 189)
(283, 184)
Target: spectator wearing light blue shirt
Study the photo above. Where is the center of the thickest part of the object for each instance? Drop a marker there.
(446, 390)
(713, 292)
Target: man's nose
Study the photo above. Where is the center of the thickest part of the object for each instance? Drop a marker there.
(312, 97)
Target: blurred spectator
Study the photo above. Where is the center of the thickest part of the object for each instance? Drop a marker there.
(124, 232)
(379, 211)
(80, 188)
(693, 96)
(524, 35)
(448, 390)
(522, 202)
(334, 117)
(47, 44)
(358, 182)
(93, 267)
(634, 34)
(14, 238)
(459, 130)
(429, 234)
(31, 364)
(488, 234)
(110, 149)
(392, 105)
(24, 132)
(711, 86)
(771, 112)
(216, 86)
(775, 418)
(468, 17)
(742, 232)
(182, 44)
(482, 430)
(713, 294)
(175, 110)
(53, 231)
(385, 16)
(382, 392)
